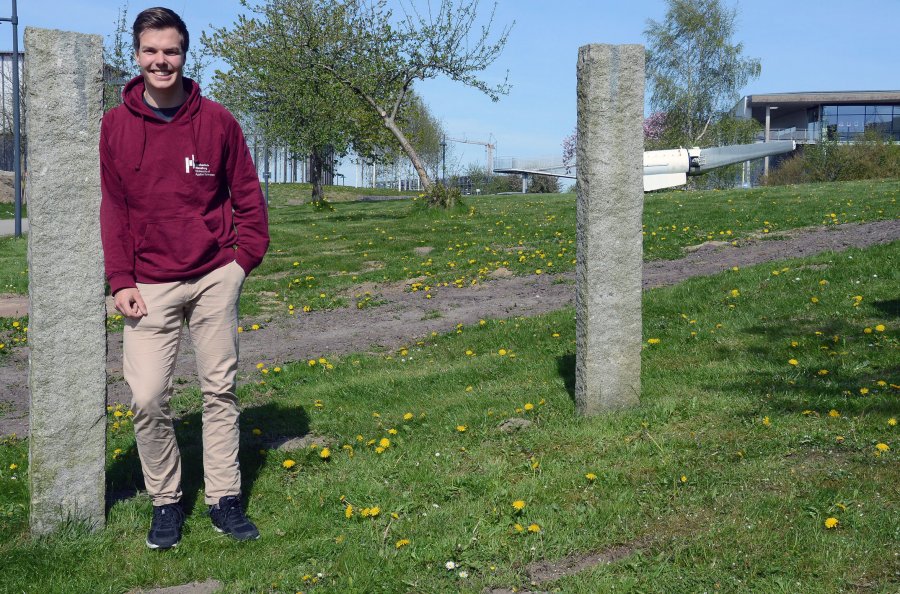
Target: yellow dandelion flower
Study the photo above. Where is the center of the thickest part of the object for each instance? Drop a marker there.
(348, 512)
(461, 428)
(260, 365)
(766, 421)
(518, 527)
(591, 476)
(379, 450)
(867, 330)
(501, 352)
(402, 543)
(534, 528)
(879, 328)
(839, 438)
(864, 391)
(814, 299)
(653, 341)
(823, 372)
(529, 406)
(15, 466)
(384, 442)
(408, 416)
(468, 388)
(311, 362)
(392, 431)
(518, 505)
(374, 511)
(833, 414)
(325, 454)
(831, 523)
(683, 478)
(254, 327)
(735, 293)
(793, 362)
(288, 463)
(882, 447)
(892, 422)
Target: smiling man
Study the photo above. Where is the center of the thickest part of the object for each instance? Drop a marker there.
(183, 222)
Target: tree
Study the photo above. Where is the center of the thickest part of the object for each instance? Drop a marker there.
(296, 107)
(377, 55)
(118, 60)
(694, 69)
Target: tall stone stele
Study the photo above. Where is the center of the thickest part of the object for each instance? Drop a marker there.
(67, 319)
(609, 157)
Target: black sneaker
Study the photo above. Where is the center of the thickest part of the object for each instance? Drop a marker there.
(228, 516)
(165, 528)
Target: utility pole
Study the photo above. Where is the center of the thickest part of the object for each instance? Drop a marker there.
(17, 139)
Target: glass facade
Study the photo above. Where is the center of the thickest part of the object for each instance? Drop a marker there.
(850, 122)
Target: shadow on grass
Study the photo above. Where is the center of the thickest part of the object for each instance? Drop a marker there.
(889, 308)
(124, 478)
(828, 374)
(565, 366)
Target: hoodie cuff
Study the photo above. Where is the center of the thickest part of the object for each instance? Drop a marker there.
(120, 281)
(245, 262)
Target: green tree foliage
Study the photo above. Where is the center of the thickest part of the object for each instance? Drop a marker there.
(543, 184)
(291, 106)
(695, 70)
(375, 54)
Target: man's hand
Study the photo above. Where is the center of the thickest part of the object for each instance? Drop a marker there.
(130, 304)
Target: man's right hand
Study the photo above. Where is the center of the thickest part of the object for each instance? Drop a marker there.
(130, 303)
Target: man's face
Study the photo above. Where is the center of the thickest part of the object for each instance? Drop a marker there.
(160, 58)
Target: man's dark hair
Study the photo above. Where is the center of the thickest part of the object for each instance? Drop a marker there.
(159, 18)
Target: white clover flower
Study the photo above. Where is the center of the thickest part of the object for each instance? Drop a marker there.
(450, 565)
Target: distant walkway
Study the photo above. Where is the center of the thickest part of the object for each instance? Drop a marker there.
(8, 227)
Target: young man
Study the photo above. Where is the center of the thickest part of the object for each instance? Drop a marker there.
(183, 221)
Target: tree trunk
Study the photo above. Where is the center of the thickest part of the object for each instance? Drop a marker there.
(317, 165)
(410, 152)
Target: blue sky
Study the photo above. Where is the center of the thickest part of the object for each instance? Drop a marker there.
(804, 45)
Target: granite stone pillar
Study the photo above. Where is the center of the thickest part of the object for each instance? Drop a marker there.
(66, 326)
(609, 157)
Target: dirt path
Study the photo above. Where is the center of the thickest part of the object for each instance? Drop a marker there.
(407, 316)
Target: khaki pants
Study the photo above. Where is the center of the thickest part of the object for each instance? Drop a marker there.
(209, 305)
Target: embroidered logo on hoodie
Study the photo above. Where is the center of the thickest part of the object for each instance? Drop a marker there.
(200, 169)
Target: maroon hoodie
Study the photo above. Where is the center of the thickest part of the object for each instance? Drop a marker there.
(180, 198)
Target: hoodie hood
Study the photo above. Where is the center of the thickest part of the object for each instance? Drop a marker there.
(133, 98)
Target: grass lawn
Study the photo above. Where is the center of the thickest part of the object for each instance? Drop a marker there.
(768, 413)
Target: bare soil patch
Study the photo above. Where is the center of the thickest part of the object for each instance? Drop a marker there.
(407, 316)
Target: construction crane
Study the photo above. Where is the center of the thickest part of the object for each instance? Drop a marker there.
(491, 147)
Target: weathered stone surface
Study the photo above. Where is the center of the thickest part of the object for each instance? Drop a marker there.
(207, 587)
(67, 332)
(610, 204)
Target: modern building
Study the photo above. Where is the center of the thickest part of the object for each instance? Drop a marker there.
(808, 117)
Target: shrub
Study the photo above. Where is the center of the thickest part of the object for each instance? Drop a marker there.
(872, 157)
(443, 196)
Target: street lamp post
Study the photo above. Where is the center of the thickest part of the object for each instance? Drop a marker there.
(17, 157)
(769, 109)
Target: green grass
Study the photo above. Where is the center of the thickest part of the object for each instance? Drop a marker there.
(359, 242)
(8, 210)
(764, 462)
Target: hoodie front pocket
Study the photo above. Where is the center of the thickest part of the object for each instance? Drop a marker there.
(176, 245)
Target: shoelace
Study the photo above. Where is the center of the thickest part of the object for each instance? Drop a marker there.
(233, 511)
(166, 517)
